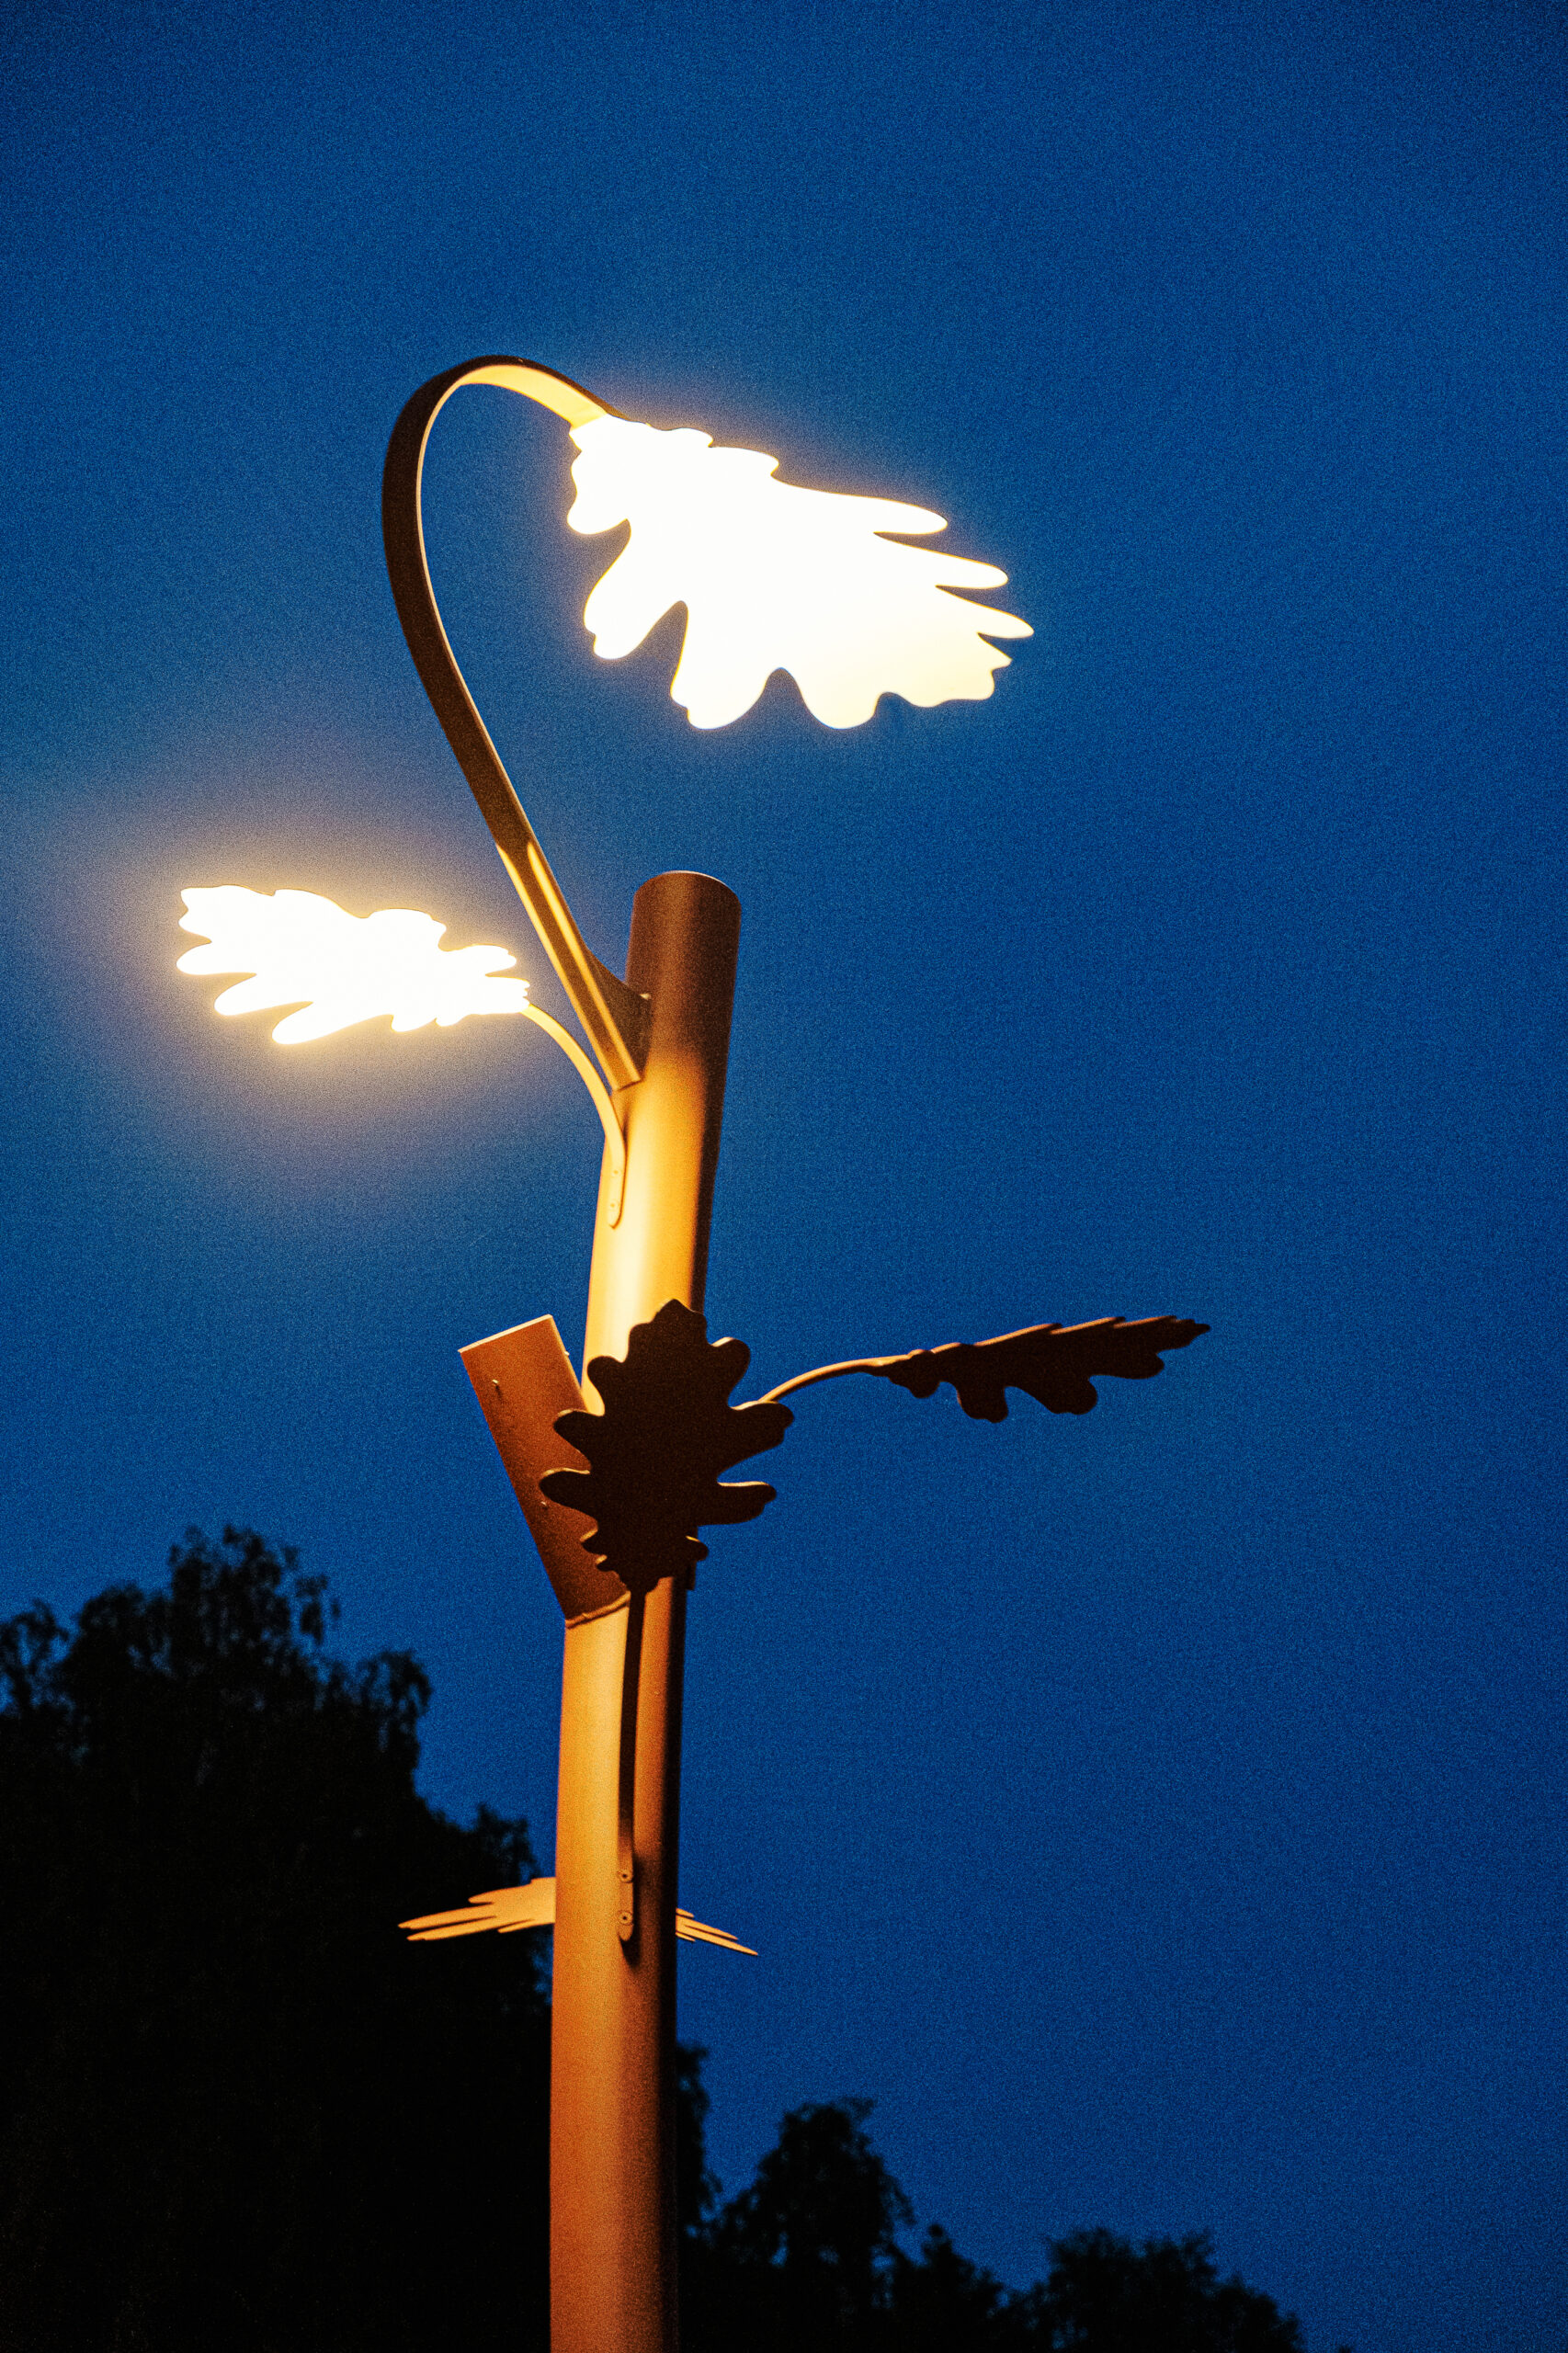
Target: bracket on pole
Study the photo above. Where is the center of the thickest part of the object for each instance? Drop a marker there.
(523, 1379)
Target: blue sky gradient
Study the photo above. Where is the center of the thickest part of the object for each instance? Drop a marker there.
(1160, 1815)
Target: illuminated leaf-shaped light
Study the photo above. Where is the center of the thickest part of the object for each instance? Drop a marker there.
(338, 967)
(774, 577)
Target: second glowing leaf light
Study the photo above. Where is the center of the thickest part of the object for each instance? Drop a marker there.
(341, 968)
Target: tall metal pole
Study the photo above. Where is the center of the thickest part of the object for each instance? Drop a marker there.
(612, 2222)
(662, 1037)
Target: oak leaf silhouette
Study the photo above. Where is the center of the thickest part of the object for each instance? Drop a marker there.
(1057, 1364)
(656, 1450)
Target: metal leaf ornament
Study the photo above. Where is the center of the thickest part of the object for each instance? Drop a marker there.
(656, 1452)
(1055, 1363)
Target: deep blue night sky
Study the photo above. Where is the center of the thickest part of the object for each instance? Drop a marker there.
(1160, 1815)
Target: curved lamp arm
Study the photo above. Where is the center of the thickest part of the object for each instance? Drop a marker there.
(613, 1016)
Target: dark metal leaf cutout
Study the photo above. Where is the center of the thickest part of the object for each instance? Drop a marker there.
(656, 1450)
(1056, 1363)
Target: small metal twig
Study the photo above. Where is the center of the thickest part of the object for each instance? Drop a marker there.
(614, 1139)
(828, 1372)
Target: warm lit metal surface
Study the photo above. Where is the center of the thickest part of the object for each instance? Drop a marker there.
(506, 1909)
(612, 2071)
(611, 1015)
(523, 1379)
(612, 2086)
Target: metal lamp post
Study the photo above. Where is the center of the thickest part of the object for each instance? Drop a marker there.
(851, 614)
(662, 1036)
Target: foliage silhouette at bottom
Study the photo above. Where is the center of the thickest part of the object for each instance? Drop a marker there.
(807, 2257)
(239, 2111)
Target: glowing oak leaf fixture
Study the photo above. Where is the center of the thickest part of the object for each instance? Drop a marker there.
(341, 968)
(777, 578)
(615, 1481)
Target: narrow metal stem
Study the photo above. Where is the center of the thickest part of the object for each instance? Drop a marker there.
(615, 1141)
(826, 1372)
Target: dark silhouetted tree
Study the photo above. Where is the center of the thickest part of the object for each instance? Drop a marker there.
(807, 2258)
(804, 2255)
(237, 2110)
(1103, 2295)
(944, 2303)
(696, 2190)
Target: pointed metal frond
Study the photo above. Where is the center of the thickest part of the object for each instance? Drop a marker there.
(532, 1905)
